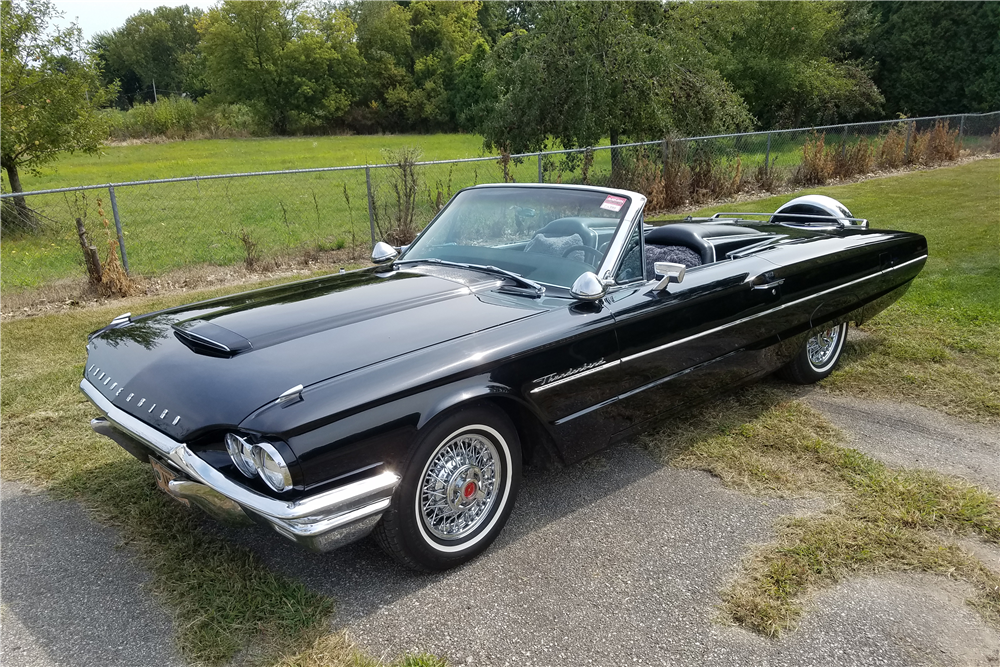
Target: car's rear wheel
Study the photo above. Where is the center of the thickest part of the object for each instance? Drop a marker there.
(818, 357)
(457, 491)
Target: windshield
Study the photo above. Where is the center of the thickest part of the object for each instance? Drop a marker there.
(549, 235)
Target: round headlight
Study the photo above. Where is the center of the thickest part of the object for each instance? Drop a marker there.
(271, 467)
(241, 452)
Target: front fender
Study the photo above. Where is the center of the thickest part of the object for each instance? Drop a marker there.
(380, 436)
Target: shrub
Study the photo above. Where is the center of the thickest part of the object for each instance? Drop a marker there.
(713, 178)
(941, 144)
(767, 177)
(850, 160)
(891, 151)
(918, 142)
(183, 118)
(817, 164)
(396, 221)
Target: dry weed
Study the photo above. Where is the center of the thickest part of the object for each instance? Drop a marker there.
(941, 144)
(851, 160)
(817, 164)
(114, 280)
(891, 151)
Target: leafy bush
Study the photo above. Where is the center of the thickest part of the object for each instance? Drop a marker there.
(182, 118)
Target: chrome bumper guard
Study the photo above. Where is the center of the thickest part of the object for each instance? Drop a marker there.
(320, 522)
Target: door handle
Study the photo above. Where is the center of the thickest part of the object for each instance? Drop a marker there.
(770, 285)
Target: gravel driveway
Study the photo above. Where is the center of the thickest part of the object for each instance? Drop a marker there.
(615, 561)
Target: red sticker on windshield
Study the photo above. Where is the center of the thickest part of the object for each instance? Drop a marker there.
(613, 203)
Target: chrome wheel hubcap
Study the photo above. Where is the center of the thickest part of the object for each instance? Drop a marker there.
(459, 486)
(820, 348)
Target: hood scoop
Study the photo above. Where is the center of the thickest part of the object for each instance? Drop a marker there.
(204, 337)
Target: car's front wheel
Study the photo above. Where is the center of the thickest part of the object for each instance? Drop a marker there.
(456, 493)
(818, 356)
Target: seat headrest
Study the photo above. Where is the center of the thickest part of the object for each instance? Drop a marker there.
(568, 227)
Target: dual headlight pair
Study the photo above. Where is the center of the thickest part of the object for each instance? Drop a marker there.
(259, 459)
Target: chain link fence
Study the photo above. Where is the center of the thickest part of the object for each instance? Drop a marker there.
(262, 219)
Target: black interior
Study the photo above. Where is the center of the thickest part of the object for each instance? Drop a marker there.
(570, 226)
(708, 241)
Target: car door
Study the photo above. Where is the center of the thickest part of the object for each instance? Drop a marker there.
(706, 333)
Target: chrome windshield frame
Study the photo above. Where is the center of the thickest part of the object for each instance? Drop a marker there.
(637, 203)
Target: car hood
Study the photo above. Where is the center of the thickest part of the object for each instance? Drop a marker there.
(210, 364)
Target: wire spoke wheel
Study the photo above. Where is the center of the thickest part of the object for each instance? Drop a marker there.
(821, 347)
(459, 486)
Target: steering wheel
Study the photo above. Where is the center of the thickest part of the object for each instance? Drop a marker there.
(590, 255)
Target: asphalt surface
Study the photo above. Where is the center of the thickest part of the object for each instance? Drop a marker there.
(70, 595)
(615, 561)
(905, 435)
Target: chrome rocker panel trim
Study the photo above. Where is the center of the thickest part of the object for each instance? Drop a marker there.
(320, 522)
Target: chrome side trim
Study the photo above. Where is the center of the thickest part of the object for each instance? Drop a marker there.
(556, 383)
(342, 499)
(612, 364)
(767, 312)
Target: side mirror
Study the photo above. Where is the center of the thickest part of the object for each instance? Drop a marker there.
(383, 253)
(588, 287)
(672, 273)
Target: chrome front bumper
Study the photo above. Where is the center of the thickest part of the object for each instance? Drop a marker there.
(319, 522)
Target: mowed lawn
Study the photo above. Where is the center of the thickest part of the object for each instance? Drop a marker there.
(171, 225)
(939, 346)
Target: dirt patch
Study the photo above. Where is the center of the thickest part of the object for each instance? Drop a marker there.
(70, 294)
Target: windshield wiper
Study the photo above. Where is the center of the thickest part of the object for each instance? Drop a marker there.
(493, 270)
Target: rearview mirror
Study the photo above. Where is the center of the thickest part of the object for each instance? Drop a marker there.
(672, 273)
(383, 253)
(588, 287)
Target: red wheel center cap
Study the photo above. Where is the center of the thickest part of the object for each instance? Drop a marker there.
(469, 490)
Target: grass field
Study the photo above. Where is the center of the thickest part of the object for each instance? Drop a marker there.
(222, 222)
(939, 346)
(171, 225)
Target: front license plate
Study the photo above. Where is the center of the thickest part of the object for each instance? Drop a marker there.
(163, 475)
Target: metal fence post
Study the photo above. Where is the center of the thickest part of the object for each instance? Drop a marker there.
(118, 228)
(371, 202)
(961, 131)
(906, 148)
(540, 178)
(767, 155)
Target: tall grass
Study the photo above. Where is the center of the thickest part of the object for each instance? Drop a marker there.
(182, 118)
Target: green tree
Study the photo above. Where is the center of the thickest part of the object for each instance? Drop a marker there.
(788, 60)
(412, 55)
(156, 48)
(50, 92)
(609, 69)
(300, 70)
(938, 57)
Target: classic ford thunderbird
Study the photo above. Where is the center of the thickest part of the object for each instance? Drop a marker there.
(526, 323)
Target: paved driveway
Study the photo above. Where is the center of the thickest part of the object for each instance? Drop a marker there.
(615, 561)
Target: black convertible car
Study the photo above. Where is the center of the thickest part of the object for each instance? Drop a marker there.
(526, 322)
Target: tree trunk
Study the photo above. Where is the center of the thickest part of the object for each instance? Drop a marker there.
(24, 219)
(616, 165)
